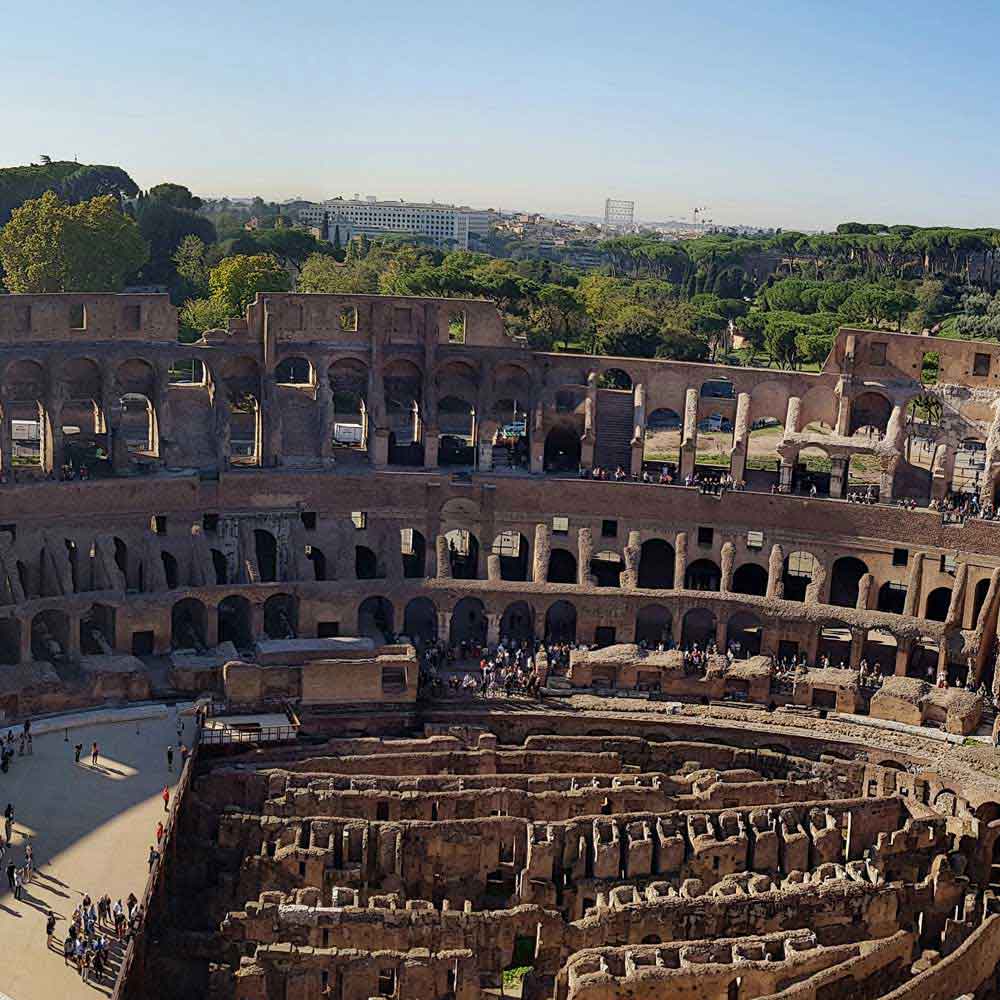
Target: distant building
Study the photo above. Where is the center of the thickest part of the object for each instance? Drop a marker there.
(445, 225)
(619, 216)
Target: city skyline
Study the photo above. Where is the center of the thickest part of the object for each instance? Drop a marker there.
(778, 116)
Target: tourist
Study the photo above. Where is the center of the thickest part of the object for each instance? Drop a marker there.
(159, 833)
(154, 856)
(77, 750)
(166, 798)
(29, 861)
(11, 871)
(18, 882)
(170, 758)
(94, 754)
(50, 926)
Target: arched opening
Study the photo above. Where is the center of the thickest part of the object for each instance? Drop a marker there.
(420, 621)
(316, 556)
(235, 621)
(870, 414)
(24, 386)
(97, 631)
(137, 425)
(244, 424)
(661, 440)
(863, 472)
(562, 450)
(924, 414)
(606, 569)
(718, 388)
(512, 548)
(518, 622)
(744, 634)
(84, 425)
(812, 468)
(187, 371)
(510, 442)
(188, 619)
(562, 567)
(938, 601)
(703, 574)
(750, 579)
(50, 636)
(414, 552)
(10, 641)
(656, 564)
(266, 550)
(121, 558)
(615, 378)
(349, 385)
(402, 383)
(970, 466)
(463, 554)
(376, 618)
(892, 597)
(170, 571)
(835, 644)
(844, 581)
(799, 570)
(880, 651)
(457, 427)
(365, 563)
(714, 445)
(698, 628)
(468, 621)
(654, 625)
(293, 371)
(281, 617)
(979, 599)
(560, 622)
(221, 566)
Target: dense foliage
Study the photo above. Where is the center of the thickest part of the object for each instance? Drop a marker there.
(72, 182)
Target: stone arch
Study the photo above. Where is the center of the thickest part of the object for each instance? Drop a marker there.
(562, 567)
(892, 597)
(188, 371)
(402, 384)
(365, 563)
(317, 557)
(235, 621)
(560, 622)
(295, 370)
(870, 410)
(512, 548)
(656, 564)
(221, 566)
(84, 422)
(844, 580)
(654, 624)
(188, 621)
(468, 621)
(136, 375)
(348, 378)
(456, 419)
(266, 552)
(518, 622)
(938, 602)
(698, 628)
(413, 548)
(661, 441)
(978, 599)
(97, 630)
(615, 378)
(281, 617)
(10, 641)
(562, 450)
(24, 389)
(463, 554)
(606, 568)
(746, 629)
(137, 425)
(750, 579)
(376, 618)
(244, 426)
(170, 570)
(798, 572)
(703, 574)
(420, 622)
(50, 635)
(718, 388)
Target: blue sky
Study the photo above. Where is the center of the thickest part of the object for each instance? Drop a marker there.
(789, 114)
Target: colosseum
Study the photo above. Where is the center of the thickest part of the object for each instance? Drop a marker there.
(749, 749)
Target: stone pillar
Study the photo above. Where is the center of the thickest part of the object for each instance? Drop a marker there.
(865, 585)
(443, 558)
(812, 646)
(24, 652)
(211, 627)
(541, 551)
(721, 628)
(957, 604)
(843, 392)
(838, 477)
(857, 646)
(52, 436)
(787, 471)
(816, 587)
(585, 552)
(942, 471)
(911, 604)
(903, 650)
(493, 629)
(728, 555)
(493, 566)
(689, 438)
(741, 438)
(536, 442)
(776, 572)
(324, 400)
(630, 575)
(793, 414)
(589, 437)
(7, 445)
(680, 559)
(432, 440)
(638, 427)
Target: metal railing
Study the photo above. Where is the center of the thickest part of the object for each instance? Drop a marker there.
(263, 734)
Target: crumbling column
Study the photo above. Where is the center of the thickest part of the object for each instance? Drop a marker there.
(843, 392)
(689, 439)
(728, 555)
(589, 436)
(630, 575)
(776, 572)
(839, 465)
(585, 552)
(536, 440)
(493, 566)
(638, 427)
(942, 471)
(957, 604)
(793, 415)
(542, 551)
(816, 587)
(24, 631)
(741, 437)
(857, 646)
(903, 649)
(493, 629)
(865, 585)
(721, 634)
(444, 625)
(911, 604)
(443, 558)
(680, 559)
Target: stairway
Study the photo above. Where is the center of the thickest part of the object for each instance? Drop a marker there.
(615, 416)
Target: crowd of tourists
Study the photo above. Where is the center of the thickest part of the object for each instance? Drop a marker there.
(96, 929)
(472, 668)
(666, 476)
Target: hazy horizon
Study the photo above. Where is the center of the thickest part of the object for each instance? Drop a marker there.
(780, 115)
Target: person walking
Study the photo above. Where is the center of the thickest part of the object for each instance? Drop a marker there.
(31, 745)
(29, 862)
(154, 856)
(170, 758)
(180, 729)
(11, 869)
(94, 752)
(166, 798)
(159, 834)
(50, 927)
(8, 821)
(18, 883)
(77, 750)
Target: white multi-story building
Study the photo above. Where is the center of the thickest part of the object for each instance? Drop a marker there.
(446, 225)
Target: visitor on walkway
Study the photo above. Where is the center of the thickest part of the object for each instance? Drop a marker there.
(154, 856)
(94, 754)
(166, 798)
(170, 758)
(159, 833)
(50, 926)
(77, 750)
